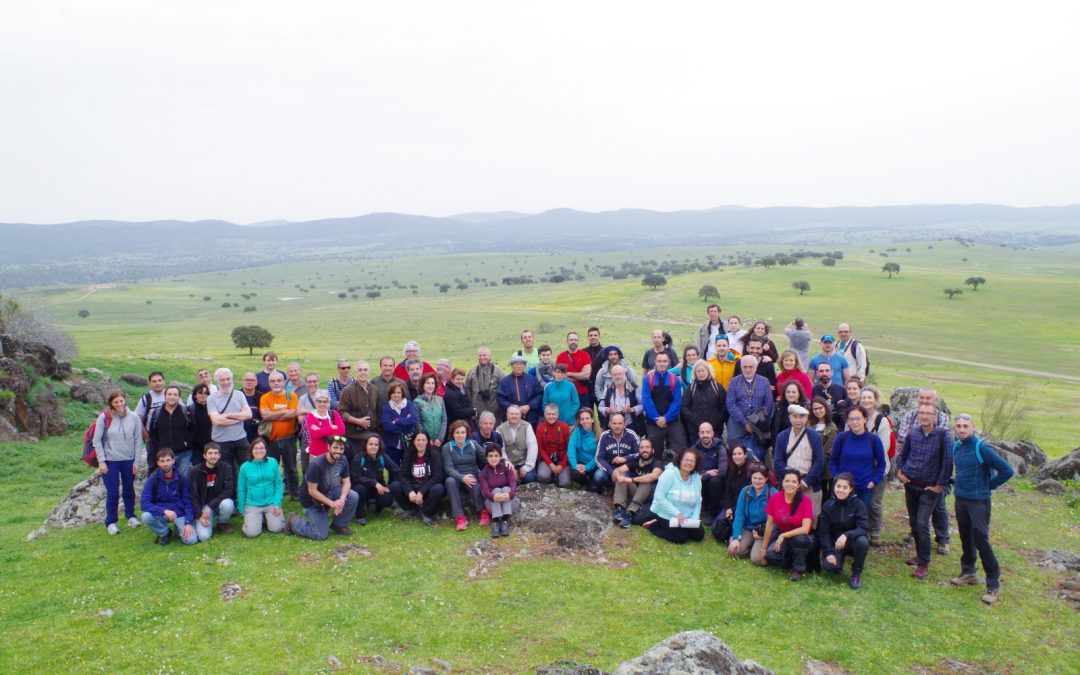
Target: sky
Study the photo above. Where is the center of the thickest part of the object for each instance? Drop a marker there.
(255, 111)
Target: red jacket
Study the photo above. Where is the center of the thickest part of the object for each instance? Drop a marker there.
(551, 441)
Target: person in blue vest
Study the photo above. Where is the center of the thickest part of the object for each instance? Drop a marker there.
(979, 471)
(661, 399)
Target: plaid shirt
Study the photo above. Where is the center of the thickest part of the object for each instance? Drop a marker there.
(335, 388)
(741, 402)
(927, 458)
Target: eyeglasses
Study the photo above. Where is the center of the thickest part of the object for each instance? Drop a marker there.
(343, 367)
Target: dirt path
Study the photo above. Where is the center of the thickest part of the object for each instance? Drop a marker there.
(946, 359)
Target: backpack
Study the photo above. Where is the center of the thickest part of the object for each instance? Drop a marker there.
(89, 453)
(866, 355)
(890, 451)
(978, 451)
(672, 379)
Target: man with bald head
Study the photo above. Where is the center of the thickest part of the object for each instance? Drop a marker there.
(411, 350)
(749, 399)
(928, 396)
(852, 350)
(482, 382)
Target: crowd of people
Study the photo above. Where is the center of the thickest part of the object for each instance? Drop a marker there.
(783, 456)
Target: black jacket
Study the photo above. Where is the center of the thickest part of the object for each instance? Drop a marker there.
(841, 517)
(203, 493)
(367, 472)
(172, 430)
(704, 402)
(434, 464)
(458, 406)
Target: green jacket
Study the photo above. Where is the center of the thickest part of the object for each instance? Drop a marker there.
(259, 484)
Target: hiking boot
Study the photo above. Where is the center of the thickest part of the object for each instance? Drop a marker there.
(965, 579)
(133, 522)
(991, 596)
(855, 582)
(907, 538)
(361, 521)
(875, 540)
(912, 561)
(343, 530)
(485, 517)
(920, 572)
(943, 549)
(624, 522)
(225, 528)
(461, 523)
(506, 528)
(618, 514)
(162, 540)
(795, 575)
(496, 529)
(112, 529)
(427, 519)
(290, 523)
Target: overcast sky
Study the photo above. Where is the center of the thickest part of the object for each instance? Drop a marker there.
(251, 111)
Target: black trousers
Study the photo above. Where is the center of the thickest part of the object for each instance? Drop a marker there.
(973, 519)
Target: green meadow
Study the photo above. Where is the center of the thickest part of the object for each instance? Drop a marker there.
(412, 600)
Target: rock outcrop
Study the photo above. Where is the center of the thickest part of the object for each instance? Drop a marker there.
(576, 520)
(906, 399)
(1024, 456)
(86, 503)
(96, 393)
(29, 411)
(694, 652)
(1066, 468)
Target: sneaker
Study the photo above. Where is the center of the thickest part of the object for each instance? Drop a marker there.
(966, 579)
(855, 582)
(943, 549)
(225, 528)
(618, 514)
(461, 523)
(875, 540)
(162, 540)
(361, 521)
(112, 529)
(795, 576)
(920, 572)
(343, 531)
(485, 517)
(912, 561)
(624, 522)
(133, 522)
(427, 519)
(991, 596)
(290, 523)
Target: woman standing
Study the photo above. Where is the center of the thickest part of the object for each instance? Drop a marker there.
(685, 371)
(459, 405)
(760, 330)
(259, 491)
(791, 394)
(420, 487)
(199, 418)
(118, 443)
(858, 452)
(399, 420)
(581, 452)
(499, 485)
(787, 529)
(677, 500)
(821, 421)
(704, 401)
(320, 425)
(431, 409)
(790, 371)
(841, 531)
(879, 424)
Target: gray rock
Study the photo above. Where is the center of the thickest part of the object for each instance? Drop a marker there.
(1023, 456)
(96, 393)
(85, 503)
(1060, 561)
(1065, 468)
(576, 520)
(1051, 487)
(815, 667)
(230, 590)
(566, 667)
(421, 670)
(40, 532)
(24, 415)
(694, 652)
(137, 380)
(442, 665)
(906, 399)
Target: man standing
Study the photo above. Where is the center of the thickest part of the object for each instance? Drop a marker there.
(359, 410)
(414, 369)
(412, 353)
(723, 361)
(578, 369)
(924, 466)
(482, 382)
(755, 347)
(338, 384)
(634, 483)
(528, 350)
(328, 495)
(709, 331)
(249, 387)
(166, 500)
(281, 409)
(307, 395)
(269, 367)
(853, 351)
(801, 448)
(713, 469)
(620, 396)
(940, 518)
(520, 389)
(661, 399)
(149, 405)
(979, 471)
(828, 355)
(661, 344)
(204, 378)
(294, 384)
(382, 383)
(799, 336)
(830, 391)
(229, 410)
(595, 350)
(750, 406)
(212, 487)
(170, 428)
(519, 445)
(610, 357)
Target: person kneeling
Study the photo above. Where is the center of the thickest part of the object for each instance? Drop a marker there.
(677, 501)
(369, 474)
(259, 491)
(842, 528)
(211, 483)
(790, 516)
(498, 482)
(328, 495)
(166, 499)
(634, 483)
(750, 518)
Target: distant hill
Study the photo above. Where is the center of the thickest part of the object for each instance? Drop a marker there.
(104, 250)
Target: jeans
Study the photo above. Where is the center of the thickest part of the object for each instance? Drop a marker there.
(119, 474)
(940, 519)
(921, 504)
(877, 510)
(221, 514)
(454, 488)
(160, 526)
(530, 476)
(284, 451)
(594, 480)
(182, 463)
(973, 519)
(317, 519)
(712, 492)
(253, 519)
(857, 548)
(431, 491)
(866, 496)
(738, 435)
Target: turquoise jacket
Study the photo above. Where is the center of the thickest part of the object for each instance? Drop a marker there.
(564, 395)
(582, 448)
(259, 484)
(750, 509)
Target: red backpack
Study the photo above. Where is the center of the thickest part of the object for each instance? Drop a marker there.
(89, 454)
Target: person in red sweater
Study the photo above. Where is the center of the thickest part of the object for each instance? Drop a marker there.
(791, 372)
(552, 438)
(578, 368)
(787, 530)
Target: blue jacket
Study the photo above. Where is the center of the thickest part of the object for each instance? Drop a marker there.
(397, 423)
(160, 495)
(750, 509)
(817, 456)
(648, 383)
(582, 448)
(563, 394)
(860, 454)
(530, 394)
(974, 480)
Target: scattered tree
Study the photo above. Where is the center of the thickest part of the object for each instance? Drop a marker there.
(443, 288)
(251, 337)
(226, 305)
(463, 286)
(373, 294)
(891, 267)
(801, 286)
(975, 282)
(249, 309)
(206, 298)
(342, 295)
(149, 302)
(828, 262)
(953, 291)
(83, 313)
(654, 281)
(707, 292)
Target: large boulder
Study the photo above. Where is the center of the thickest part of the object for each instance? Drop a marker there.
(86, 502)
(576, 520)
(28, 410)
(693, 652)
(1023, 456)
(906, 399)
(1065, 468)
(96, 393)
(136, 380)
